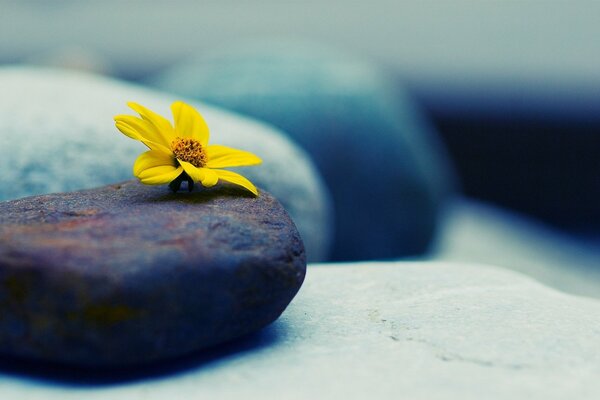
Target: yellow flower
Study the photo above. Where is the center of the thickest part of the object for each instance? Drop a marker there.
(182, 152)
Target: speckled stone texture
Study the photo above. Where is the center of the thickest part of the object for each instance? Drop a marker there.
(128, 274)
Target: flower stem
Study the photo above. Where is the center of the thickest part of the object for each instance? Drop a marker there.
(175, 185)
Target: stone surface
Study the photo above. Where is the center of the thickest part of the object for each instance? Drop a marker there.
(477, 232)
(57, 134)
(128, 274)
(366, 137)
(385, 331)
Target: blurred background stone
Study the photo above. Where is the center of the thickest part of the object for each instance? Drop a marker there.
(57, 134)
(387, 173)
(475, 231)
(79, 58)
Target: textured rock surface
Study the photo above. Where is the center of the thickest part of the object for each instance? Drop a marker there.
(128, 273)
(57, 134)
(368, 140)
(395, 330)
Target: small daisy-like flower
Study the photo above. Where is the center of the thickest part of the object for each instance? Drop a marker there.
(181, 153)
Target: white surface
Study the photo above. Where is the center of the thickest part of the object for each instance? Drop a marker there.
(394, 330)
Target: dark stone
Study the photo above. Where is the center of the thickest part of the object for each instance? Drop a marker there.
(129, 274)
(382, 161)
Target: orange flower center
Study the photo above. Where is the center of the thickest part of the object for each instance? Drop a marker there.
(189, 150)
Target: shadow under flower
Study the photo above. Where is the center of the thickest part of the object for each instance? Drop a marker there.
(200, 194)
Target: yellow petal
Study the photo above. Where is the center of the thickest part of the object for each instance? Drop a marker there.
(150, 159)
(160, 175)
(127, 129)
(189, 122)
(132, 133)
(222, 157)
(159, 125)
(143, 128)
(210, 177)
(195, 173)
(157, 170)
(236, 179)
(205, 176)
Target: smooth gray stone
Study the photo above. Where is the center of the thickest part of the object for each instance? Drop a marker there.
(381, 160)
(392, 330)
(57, 134)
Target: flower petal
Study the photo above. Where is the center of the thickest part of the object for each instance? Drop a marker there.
(189, 122)
(127, 129)
(194, 172)
(150, 159)
(207, 177)
(222, 156)
(137, 128)
(210, 177)
(160, 175)
(236, 179)
(150, 144)
(159, 125)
